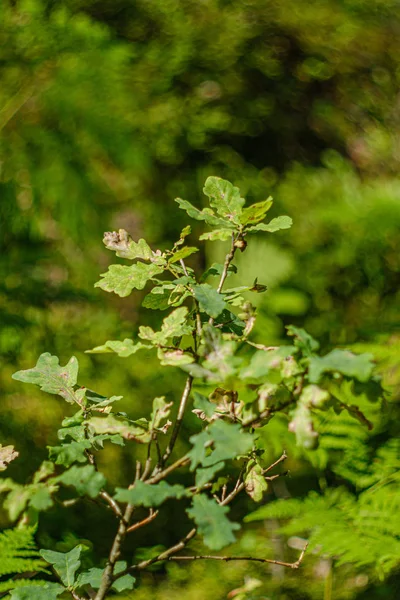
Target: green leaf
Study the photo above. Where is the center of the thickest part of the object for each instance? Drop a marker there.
(182, 253)
(69, 453)
(203, 404)
(174, 325)
(216, 271)
(303, 427)
(206, 214)
(303, 340)
(359, 366)
(227, 440)
(51, 377)
(212, 523)
(263, 362)
(217, 235)
(174, 358)
(122, 279)
(224, 198)
(46, 591)
(65, 564)
(124, 246)
(256, 212)
(254, 481)
(123, 349)
(119, 425)
(314, 396)
(143, 494)
(161, 411)
(126, 582)
(276, 224)
(7, 454)
(86, 480)
(210, 301)
(91, 577)
(41, 500)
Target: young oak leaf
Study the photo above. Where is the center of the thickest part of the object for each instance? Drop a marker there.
(65, 564)
(86, 480)
(224, 198)
(93, 578)
(210, 301)
(255, 213)
(124, 246)
(123, 349)
(174, 325)
(276, 224)
(7, 454)
(216, 235)
(121, 279)
(182, 253)
(206, 214)
(112, 424)
(143, 494)
(51, 377)
(359, 366)
(212, 523)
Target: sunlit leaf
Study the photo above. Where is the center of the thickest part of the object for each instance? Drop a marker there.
(224, 198)
(119, 425)
(210, 301)
(7, 454)
(276, 224)
(123, 349)
(122, 279)
(51, 377)
(182, 253)
(359, 366)
(124, 246)
(256, 212)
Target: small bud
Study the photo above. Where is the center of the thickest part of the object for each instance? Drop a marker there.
(241, 244)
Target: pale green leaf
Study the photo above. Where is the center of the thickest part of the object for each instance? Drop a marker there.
(65, 564)
(303, 340)
(182, 253)
(119, 425)
(206, 215)
(276, 224)
(7, 454)
(224, 198)
(86, 480)
(210, 301)
(217, 235)
(143, 494)
(227, 440)
(174, 358)
(175, 325)
(124, 246)
(359, 366)
(302, 426)
(123, 349)
(51, 377)
(255, 213)
(254, 481)
(122, 279)
(212, 523)
(161, 411)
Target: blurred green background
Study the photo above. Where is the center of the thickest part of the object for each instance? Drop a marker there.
(109, 109)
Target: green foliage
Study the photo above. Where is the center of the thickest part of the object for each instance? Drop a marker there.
(65, 564)
(51, 377)
(143, 494)
(243, 386)
(211, 520)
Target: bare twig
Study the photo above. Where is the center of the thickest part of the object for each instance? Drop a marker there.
(294, 565)
(280, 459)
(112, 503)
(153, 514)
(184, 460)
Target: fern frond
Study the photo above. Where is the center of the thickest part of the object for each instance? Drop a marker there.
(18, 552)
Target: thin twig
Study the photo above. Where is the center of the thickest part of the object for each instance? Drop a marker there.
(224, 274)
(184, 460)
(281, 459)
(112, 503)
(294, 565)
(178, 422)
(153, 514)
